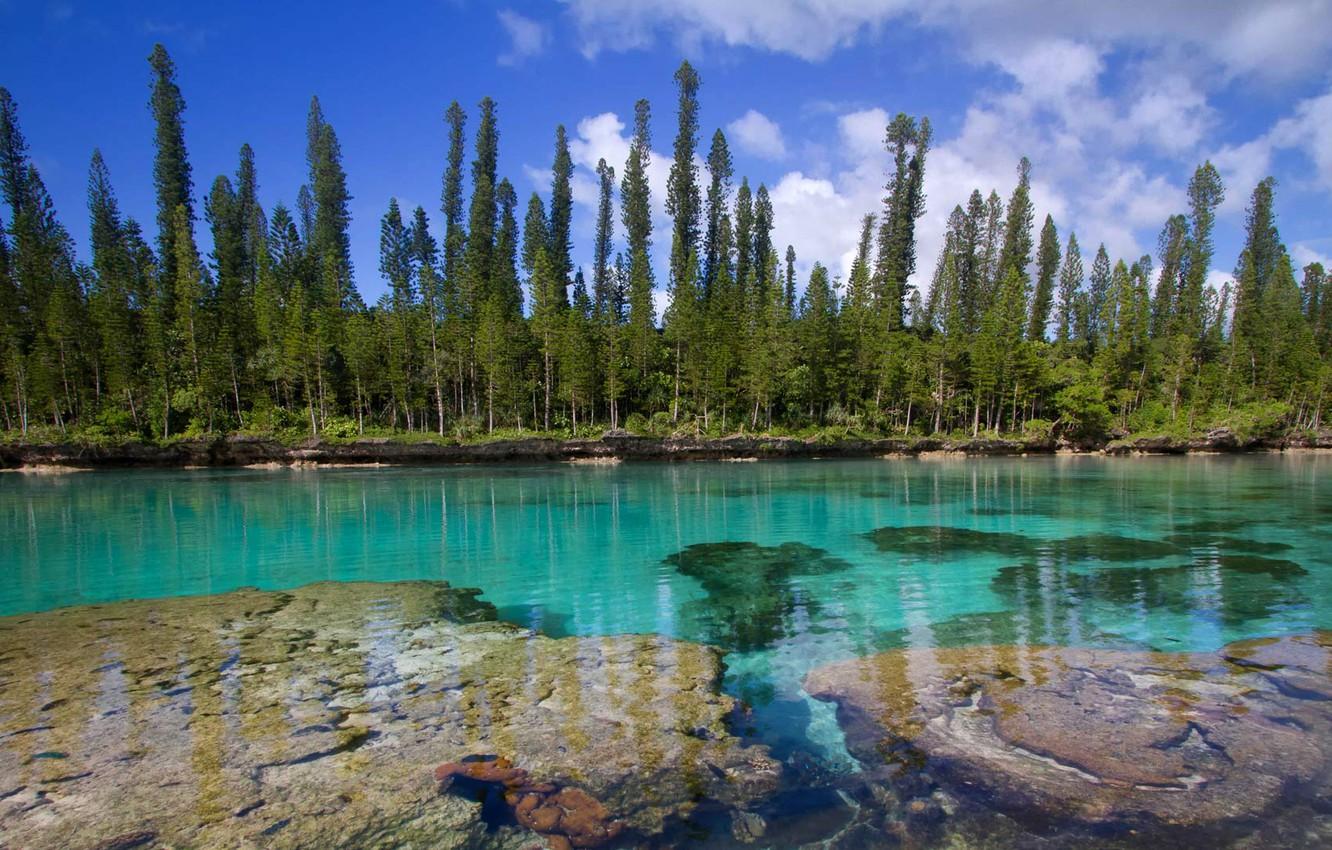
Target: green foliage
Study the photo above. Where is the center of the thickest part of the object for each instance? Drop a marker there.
(1254, 420)
(267, 334)
(638, 424)
(1082, 411)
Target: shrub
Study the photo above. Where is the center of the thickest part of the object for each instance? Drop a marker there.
(1037, 430)
(636, 423)
(1083, 411)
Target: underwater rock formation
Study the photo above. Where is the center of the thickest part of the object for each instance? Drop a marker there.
(1108, 738)
(750, 594)
(314, 718)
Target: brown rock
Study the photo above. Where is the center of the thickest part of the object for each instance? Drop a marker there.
(566, 815)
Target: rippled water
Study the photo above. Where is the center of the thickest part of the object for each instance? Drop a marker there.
(785, 564)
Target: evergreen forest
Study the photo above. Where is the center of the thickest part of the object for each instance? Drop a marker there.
(489, 329)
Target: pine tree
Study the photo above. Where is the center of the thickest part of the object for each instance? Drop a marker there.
(1099, 294)
(1170, 246)
(818, 340)
(505, 283)
(451, 201)
(113, 296)
(363, 347)
(189, 298)
(12, 383)
(603, 242)
(1205, 194)
(636, 210)
(579, 376)
(1259, 260)
(1016, 251)
(723, 344)
(766, 272)
(171, 167)
(430, 289)
(536, 234)
(992, 242)
(683, 328)
(908, 143)
(479, 249)
(561, 213)
(251, 215)
(1070, 284)
(720, 171)
(1318, 303)
(494, 355)
(1047, 267)
(547, 315)
(682, 200)
(790, 279)
(995, 351)
(971, 271)
(329, 239)
(397, 267)
(305, 214)
(42, 334)
(858, 321)
(1287, 349)
(744, 233)
(232, 307)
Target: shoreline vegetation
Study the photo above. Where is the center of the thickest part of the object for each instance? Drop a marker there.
(489, 331)
(252, 451)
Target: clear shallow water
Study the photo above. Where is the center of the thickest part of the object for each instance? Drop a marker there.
(787, 565)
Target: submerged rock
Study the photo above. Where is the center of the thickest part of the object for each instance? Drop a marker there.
(941, 542)
(315, 717)
(566, 817)
(1106, 738)
(751, 598)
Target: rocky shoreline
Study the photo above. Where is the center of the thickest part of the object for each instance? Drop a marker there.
(241, 451)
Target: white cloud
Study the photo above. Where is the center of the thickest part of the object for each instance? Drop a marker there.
(863, 132)
(817, 219)
(1302, 254)
(757, 134)
(661, 302)
(1171, 114)
(806, 28)
(527, 37)
(1310, 129)
(1217, 279)
(1274, 39)
(1307, 129)
(1110, 102)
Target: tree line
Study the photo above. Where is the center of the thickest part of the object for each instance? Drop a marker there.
(495, 328)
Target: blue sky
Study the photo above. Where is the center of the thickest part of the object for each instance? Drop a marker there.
(1114, 103)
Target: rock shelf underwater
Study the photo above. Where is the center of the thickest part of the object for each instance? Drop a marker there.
(403, 714)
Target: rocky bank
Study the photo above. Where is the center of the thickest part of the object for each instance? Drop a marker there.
(613, 446)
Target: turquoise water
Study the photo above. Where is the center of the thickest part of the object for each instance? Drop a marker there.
(785, 564)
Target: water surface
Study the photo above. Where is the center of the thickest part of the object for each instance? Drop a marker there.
(786, 565)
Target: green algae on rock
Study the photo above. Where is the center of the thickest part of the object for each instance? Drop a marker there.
(750, 597)
(1107, 738)
(940, 541)
(314, 717)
